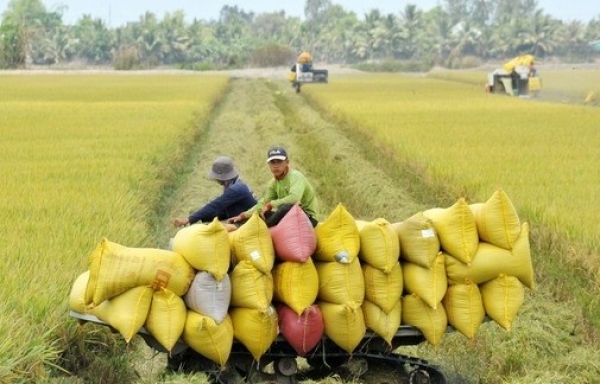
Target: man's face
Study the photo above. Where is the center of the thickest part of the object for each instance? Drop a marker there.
(278, 167)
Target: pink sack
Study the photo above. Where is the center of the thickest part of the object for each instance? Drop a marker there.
(302, 332)
(294, 237)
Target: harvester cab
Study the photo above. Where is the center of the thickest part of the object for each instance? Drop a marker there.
(517, 77)
(305, 74)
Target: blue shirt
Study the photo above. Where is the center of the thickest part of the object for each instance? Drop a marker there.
(236, 198)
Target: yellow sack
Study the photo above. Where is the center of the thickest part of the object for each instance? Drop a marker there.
(419, 242)
(252, 242)
(126, 312)
(430, 284)
(211, 340)
(166, 318)
(255, 329)
(464, 308)
(341, 283)
(379, 244)
(383, 289)
(250, 288)
(432, 322)
(383, 324)
(344, 324)
(115, 269)
(205, 247)
(502, 299)
(456, 229)
(490, 261)
(77, 294)
(296, 284)
(497, 220)
(337, 237)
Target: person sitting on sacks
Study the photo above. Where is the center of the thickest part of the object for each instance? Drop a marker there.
(237, 196)
(287, 188)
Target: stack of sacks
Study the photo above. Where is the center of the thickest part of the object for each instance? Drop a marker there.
(208, 330)
(379, 253)
(341, 281)
(129, 288)
(502, 265)
(424, 274)
(253, 315)
(296, 282)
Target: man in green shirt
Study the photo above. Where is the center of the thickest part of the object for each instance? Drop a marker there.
(287, 188)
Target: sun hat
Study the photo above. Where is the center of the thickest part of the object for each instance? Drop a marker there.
(223, 169)
(276, 153)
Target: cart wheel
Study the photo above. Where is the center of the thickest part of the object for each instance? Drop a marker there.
(287, 366)
(419, 376)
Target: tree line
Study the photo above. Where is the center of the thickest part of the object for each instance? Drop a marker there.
(454, 34)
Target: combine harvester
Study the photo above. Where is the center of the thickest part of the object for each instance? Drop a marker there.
(517, 77)
(301, 74)
(249, 305)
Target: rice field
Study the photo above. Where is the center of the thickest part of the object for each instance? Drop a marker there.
(82, 157)
(544, 155)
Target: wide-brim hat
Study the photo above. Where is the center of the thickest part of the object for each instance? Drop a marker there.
(223, 169)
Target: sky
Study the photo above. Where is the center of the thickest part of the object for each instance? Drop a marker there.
(118, 12)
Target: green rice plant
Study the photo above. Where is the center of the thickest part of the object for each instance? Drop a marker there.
(82, 157)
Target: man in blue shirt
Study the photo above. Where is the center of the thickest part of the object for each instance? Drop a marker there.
(236, 198)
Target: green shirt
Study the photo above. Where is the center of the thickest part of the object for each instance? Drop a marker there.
(294, 188)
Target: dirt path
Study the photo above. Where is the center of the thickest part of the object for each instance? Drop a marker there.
(260, 112)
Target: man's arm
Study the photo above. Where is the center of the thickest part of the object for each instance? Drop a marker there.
(216, 207)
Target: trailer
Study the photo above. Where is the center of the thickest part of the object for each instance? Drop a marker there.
(279, 364)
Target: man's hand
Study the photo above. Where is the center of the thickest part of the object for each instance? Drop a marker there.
(267, 208)
(236, 219)
(180, 222)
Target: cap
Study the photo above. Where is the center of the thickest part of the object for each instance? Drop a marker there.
(276, 153)
(223, 169)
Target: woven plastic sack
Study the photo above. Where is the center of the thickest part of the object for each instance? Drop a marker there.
(205, 247)
(252, 242)
(209, 297)
(383, 324)
(379, 244)
(430, 284)
(432, 322)
(341, 283)
(497, 220)
(296, 284)
(303, 332)
(490, 261)
(114, 269)
(166, 318)
(126, 312)
(337, 237)
(502, 299)
(464, 308)
(419, 242)
(344, 324)
(255, 329)
(383, 289)
(77, 294)
(250, 288)
(294, 237)
(456, 230)
(211, 340)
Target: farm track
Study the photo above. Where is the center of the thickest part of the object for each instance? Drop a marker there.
(258, 113)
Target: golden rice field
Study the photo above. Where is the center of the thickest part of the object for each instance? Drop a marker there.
(79, 156)
(544, 155)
